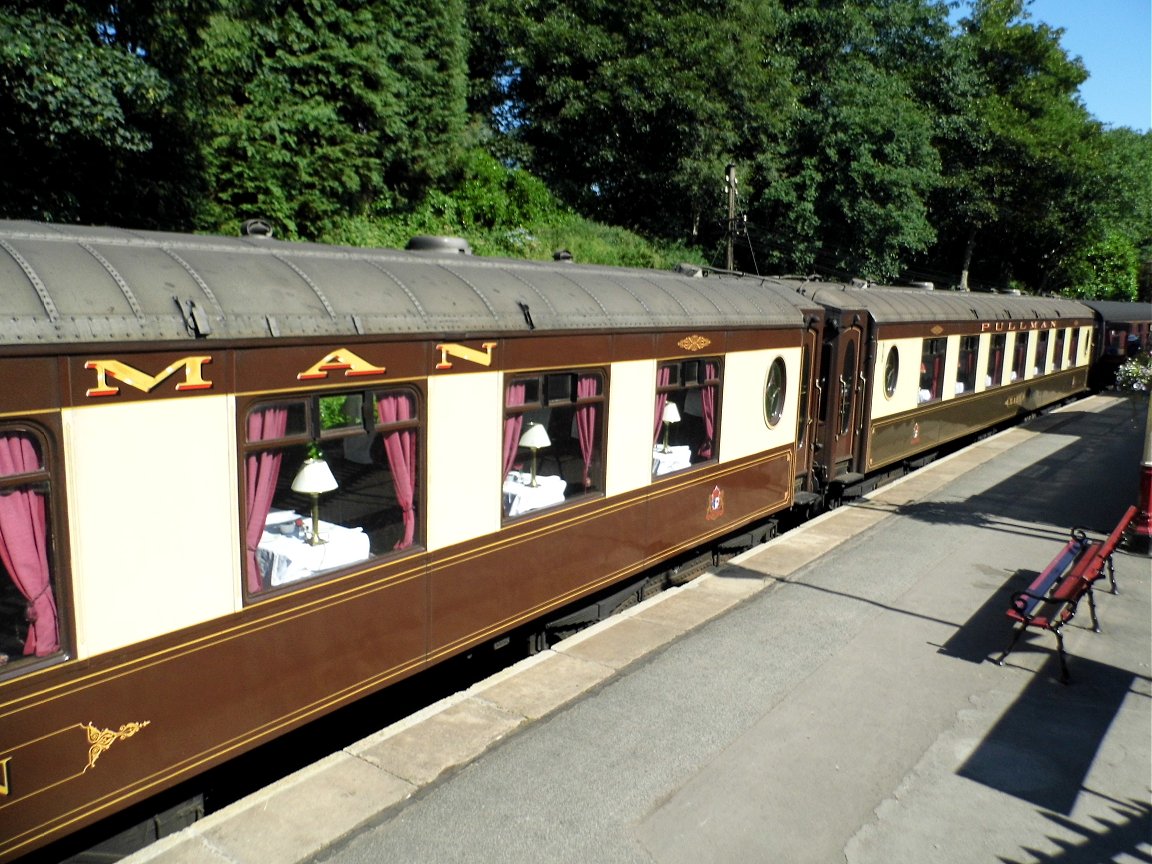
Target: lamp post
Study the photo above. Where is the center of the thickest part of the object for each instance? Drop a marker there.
(314, 478)
(671, 415)
(534, 437)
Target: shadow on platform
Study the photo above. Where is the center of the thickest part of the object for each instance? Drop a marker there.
(1124, 836)
(1041, 748)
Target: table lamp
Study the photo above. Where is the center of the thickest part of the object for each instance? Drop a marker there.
(534, 437)
(671, 415)
(314, 478)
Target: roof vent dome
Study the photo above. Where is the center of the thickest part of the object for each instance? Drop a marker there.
(434, 243)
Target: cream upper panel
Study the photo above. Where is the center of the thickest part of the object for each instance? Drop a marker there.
(743, 428)
(149, 483)
(465, 418)
(906, 395)
(631, 419)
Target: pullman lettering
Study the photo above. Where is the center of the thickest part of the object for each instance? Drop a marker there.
(1013, 326)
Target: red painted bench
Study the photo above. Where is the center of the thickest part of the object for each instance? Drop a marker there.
(1051, 600)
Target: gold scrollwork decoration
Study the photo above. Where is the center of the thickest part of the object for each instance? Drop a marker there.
(102, 739)
(694, 343)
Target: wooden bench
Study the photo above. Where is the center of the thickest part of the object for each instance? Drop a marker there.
(1051, 600)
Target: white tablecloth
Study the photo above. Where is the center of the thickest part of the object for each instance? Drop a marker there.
(675, 459)
(520, 498)
(287, 558)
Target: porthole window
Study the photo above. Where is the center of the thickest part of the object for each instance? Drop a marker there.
(891, 372)
(775, 389)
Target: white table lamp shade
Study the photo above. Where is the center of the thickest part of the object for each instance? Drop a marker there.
(314, 477)
(535, 436)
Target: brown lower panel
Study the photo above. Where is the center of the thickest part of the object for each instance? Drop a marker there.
(930, 426)
(102, 734)
(574, 552)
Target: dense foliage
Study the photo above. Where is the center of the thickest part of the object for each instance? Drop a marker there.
(874, 138)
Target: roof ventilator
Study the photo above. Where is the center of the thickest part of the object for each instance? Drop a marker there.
(433, 243)
(195, 320)
(256, 228)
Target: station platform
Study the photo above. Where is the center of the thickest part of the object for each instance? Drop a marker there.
(830, 696)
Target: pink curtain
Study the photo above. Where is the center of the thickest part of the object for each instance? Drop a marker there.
(663, 376)
(586, 386)
(24, 546)
(400, 446)
(512, 425)
(262, 470)
(708, 403)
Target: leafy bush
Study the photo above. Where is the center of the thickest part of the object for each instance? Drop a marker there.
(507, 212)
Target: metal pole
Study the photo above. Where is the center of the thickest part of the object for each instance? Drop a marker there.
(731, 176)
(1142, 539)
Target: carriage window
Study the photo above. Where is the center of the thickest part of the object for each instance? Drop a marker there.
(966, 373)
(1073, 347)
(1058, 352)
(29, 622)
(932, 369)
(1041, 353)
(553, 439)
(330, 482)
(891, 372)
(774, 393)
(1020, 357)
(994, 371)
(687, 414)
(847, 383)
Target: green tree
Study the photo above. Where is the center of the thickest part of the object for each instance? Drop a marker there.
(312, 110)
(852, 196)
(79, 112)
(630, 110)
(1019, 149)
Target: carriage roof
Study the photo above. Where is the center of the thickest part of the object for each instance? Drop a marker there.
(69, 284)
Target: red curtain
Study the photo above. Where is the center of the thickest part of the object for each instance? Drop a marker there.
(586, 386)
(262, 470)
(663, 376)
(24, 545)
(512, 425)
(708, 401)
(400, 447)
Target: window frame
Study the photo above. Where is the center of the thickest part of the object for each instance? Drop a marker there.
(967, 364)
(1041, 356)
(891, 372)
(931, 372)
(688, 377)
(1020, 348)
(48, 480)
(994, 364)
(308, 430)
(775, 397)
(545, 391)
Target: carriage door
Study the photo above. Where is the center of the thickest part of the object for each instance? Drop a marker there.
(847, 385)
(807, 429)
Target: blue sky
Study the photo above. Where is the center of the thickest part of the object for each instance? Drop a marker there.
(1113, 38)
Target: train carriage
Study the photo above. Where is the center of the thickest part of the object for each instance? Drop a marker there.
(246, 482)
(908, 370)
(1123, 331)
